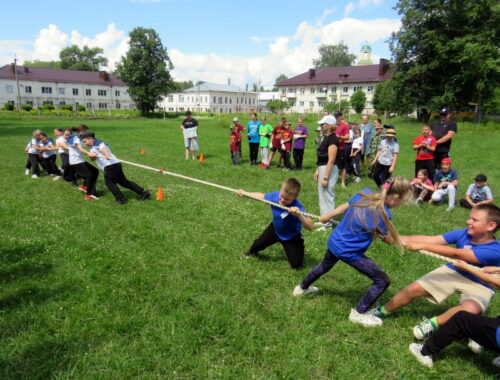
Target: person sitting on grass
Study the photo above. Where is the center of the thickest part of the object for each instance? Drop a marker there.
(483, 331)
(285, 226)
(113, 172)
(445, 184)
(478, 193)
(422, 186)
(476, 245)
(367, 216)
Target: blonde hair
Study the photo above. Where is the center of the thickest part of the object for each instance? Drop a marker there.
(372, 206)
(36, 132)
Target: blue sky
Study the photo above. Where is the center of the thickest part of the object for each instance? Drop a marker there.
(209, 40)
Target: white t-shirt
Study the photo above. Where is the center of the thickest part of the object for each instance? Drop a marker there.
(386, 151)
(31, 145)
(47, 153)
(75, 156)
(60, 140)
(479, 194)
(357, 143)
(101, 161)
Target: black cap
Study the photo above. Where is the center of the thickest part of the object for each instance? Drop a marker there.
(480, 178)
(337, 114)
(388, 126)
(87, 134)
(445, 111)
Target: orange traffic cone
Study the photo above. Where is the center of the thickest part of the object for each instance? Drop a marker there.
(159, 194)
(142, 151)
(202, 158)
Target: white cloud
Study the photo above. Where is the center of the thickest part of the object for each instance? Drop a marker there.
(362, 4)
(325, 14)
(349, 8)
(49, 43)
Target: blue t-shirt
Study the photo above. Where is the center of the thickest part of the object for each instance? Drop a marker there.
(253, 131)
(488, 254)
(286, 225)
(445, 177)
(498, 337)
(351, 239)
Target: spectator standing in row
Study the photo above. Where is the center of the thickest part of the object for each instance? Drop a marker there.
(189, 128)
(342, 132)
(386, 157)
(238, 128)
(300, 134)
(443, 130)
(425, 145)
(367, 130)
(253, 138)
(265, 131)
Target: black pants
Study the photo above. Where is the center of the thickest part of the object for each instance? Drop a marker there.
(34, 159)
(239, 147)
(428, 165)
(294, 248)
(298, 157)
(89, 173)
(286, 158)
(438, 157)
(69, 174)
(381, 173)
(254, 151)
(479, 328)
(114, 176)
(348, 158)
(234, 157)
(50, 164)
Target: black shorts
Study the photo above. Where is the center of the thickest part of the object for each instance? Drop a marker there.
(273, 149)
(341, 160)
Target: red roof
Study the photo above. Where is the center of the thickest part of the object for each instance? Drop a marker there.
(344, 74)
(42, 74)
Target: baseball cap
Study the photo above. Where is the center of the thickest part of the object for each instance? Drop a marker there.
(328, 119)
(235, 119)
(481, 178)
(446, 160)
(390, 132)
(444, 111)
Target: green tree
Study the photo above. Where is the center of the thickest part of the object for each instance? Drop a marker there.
(333, 106)
(333, 56)
(46, 64)
(446, 52)
(385, 99)
(358, 101)
(146, 69)
(280, 78)
(277, 106)
(87, 59)
(181, 86)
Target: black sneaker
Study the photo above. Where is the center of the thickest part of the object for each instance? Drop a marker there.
(247, 255)
(145, 195)
(120, 201)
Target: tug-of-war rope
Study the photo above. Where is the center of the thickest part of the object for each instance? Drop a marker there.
(249, 195)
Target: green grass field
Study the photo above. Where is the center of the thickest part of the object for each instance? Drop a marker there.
(93, 290)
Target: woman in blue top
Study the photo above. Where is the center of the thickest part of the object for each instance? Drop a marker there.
(367, 216)
(253, 138)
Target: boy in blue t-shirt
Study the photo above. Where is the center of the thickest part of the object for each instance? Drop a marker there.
(286, 225)
(475, 245)
(445, 184)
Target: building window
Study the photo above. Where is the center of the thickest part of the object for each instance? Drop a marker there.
(225, 100)
(9, 89)
(241, 101)
(283, 91)
(369, 89)
(302, 90)
(357, 88)
(215, 99)
(103, 106)
(313, 90)
(48, 102)
(61, 91)
(334, 90)
(117, 93)
(101, 93)
(292, 104)
(170, 108)
(170, 98)
(321, 104)
(75, 91)
(30, 102)
(88, 92)
(118, 106)
(181, 108)
(230, 102)
(27, 89)
(220, 99)
(46, 90)
(301, 103)
(311, 104)
(181, 99)
(89, 106)
(63, 103)
(345, 89)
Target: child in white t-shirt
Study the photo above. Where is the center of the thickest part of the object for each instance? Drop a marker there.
(356, 149)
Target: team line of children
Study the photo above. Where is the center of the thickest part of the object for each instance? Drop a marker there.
(367, 216)
(42, 151)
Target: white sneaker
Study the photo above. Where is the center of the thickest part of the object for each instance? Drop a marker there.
(496, 362)
(423, 330)
(34, 176)
(342, 185)
(366, 319)
(298, 291)
(475, 347)
(56, 178)
(450, 208)
(425, 360)
(357, 179)
(418, 201)
(27, 172)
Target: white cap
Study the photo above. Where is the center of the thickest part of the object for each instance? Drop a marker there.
(235, 119)
(328, 119)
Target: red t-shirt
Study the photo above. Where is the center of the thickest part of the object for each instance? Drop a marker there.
(342, 130)
(276, 133)
(285, 135)
(424, 153)
(238, 128)
(233, 141)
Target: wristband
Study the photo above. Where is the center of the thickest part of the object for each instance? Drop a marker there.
(325, 178)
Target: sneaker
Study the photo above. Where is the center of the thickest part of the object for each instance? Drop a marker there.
(298, 291)
(357, 179)
(82, 188)
(425, 360)
(262, 165)
(424, 329)
(120, 201)
(91, 197)
(34, 176)
(56, 178)
(27, 172)
(496, 362)
(419, 201)
(342, 185)
(248, 254)
(366, 319)
(450, 208)
(475, 347)
(377, 313)
(145, 195)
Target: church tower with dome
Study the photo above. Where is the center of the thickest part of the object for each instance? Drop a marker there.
(365, 55)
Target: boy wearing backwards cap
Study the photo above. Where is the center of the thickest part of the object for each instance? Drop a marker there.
(445, 184)
(113, 172)
(477, 193)
(386, 157)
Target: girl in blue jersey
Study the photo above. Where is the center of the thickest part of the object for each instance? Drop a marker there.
(367, 216)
